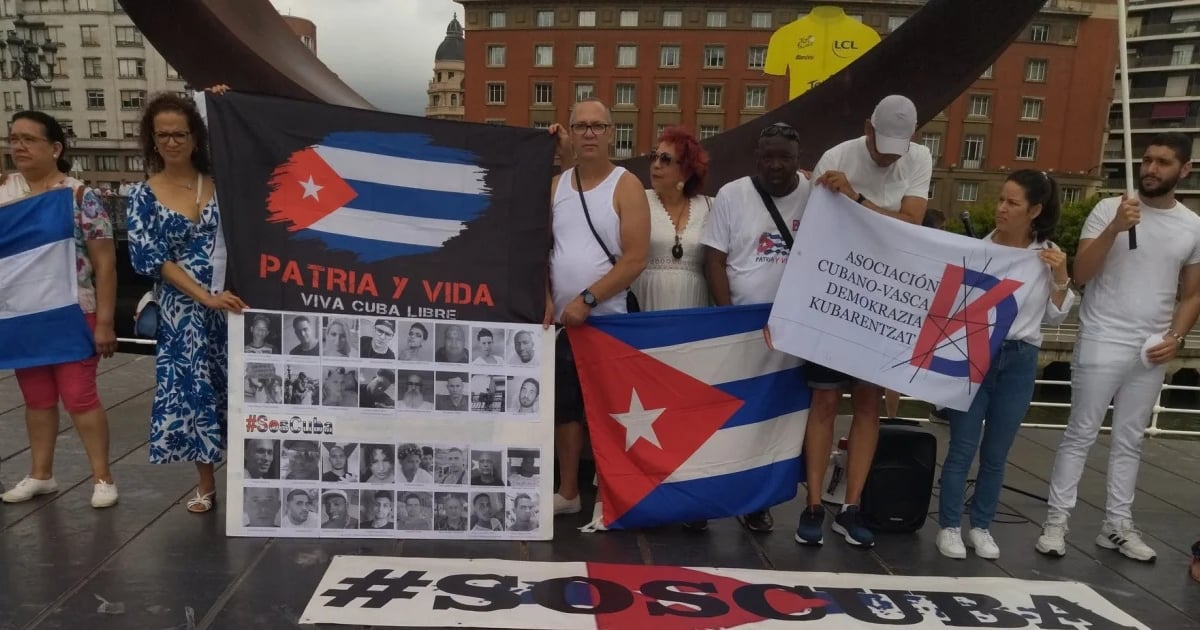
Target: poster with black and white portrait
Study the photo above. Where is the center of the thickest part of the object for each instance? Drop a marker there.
(370, 435)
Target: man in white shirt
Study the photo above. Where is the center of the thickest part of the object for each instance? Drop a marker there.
(886, 172)
(746, 249)
(299, 513)
(1128, 303)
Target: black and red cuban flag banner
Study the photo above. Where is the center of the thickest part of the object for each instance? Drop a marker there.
(335, 209)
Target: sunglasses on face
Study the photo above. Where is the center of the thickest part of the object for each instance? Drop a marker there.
(781, 129)
(663, 158)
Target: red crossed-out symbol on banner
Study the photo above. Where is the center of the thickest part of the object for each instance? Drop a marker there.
(941, 323)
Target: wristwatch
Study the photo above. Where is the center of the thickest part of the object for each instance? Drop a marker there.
(589, 298)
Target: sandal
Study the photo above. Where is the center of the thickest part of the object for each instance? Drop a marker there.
(200, 504)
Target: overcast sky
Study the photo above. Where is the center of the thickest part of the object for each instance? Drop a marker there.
(382, 48)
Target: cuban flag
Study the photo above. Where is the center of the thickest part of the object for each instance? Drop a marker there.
(378, 195)
(40, 319)
(691, 415)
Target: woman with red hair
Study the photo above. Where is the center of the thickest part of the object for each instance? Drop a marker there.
(674, 275)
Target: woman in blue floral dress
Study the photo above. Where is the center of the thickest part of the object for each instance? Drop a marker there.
(175, 239)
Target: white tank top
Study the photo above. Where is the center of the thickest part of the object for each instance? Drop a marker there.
(577, 261)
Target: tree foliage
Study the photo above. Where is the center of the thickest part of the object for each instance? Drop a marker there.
(1066, 235)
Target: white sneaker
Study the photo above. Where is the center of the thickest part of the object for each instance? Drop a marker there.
(982, 542)
(1053, 541)
(1124, 537)
(104, 494)
(950, 543)
(566, 506)
(29, 488)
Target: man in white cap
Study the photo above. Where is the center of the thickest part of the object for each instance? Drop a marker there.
(886, 172)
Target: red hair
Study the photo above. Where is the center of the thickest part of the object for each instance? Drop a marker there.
(692, 158)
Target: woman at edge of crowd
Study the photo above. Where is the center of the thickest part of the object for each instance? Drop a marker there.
(175, 239)
(1026, 216)
(38, 148)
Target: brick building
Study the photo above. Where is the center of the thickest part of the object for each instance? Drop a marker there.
(1044, 103)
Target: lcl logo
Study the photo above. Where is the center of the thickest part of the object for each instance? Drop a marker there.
(845, 48)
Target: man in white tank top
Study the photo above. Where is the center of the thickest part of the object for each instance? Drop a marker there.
(1128, 303)
(582, 279)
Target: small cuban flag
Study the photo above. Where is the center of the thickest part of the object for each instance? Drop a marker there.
(691, 415)
(41, 322)
(378, 195)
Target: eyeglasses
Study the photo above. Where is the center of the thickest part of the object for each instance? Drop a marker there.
(580, 129)
(781, 129)
(25, 140)
(166, 137)
(663, 158)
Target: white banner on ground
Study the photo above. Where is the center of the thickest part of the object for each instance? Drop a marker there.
(427, 592)
(917, 310)
(380, 427)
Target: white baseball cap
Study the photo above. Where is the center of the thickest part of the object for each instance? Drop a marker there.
(895, 122)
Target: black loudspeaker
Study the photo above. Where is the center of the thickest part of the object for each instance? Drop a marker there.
(896, 497)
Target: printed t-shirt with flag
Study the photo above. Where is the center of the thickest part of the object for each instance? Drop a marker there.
(691, 415)
(817, 46)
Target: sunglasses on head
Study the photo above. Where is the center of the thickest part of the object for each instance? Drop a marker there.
(663, 158)
(780, 129)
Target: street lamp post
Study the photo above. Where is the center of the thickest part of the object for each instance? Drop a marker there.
(26, 56)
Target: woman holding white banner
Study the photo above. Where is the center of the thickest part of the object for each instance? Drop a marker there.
(1026, 216)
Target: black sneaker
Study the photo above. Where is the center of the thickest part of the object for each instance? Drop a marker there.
(849, 523)
(696, 526)
(760, 521)
(810, 531)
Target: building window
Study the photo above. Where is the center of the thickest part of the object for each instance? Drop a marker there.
(133, 99)
(108, 163)
(52, 99)
(932, 189)
(708, 131)
(629, 18)
(714, 56)
(626, 56)
(495, 93)
(972, 156)
(97, 129)
(710, 96)
(87, 5)
(760, 19)
(895, 22)
(668, 57)
(84, 162)
(89, 35)
(585, 55)
(756, 97)
(543, 55)
(757, 57)
(668, 96)
(495, 56)
(128, 36)
(1026, 148)
(131, 68)
(1071, 194)
(541, 124)
(454, 100)
(499, 122)
(60, 67)
(1031, 109)
(134, 164)
(543, 93)
(980, 105)
(626, 95)
(54, 34)
(933, 142)
(68, 127)
(1035, 70)
(672, 19)
(584, 91)
(129, 128)
(587, 18)
(715, 19)
(497, 19)
(623, 140)
(1039, 32)
(95, 99)
(545, 19)
(968, 191)
(987, 74)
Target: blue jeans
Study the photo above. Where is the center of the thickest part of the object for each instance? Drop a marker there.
(1003, 399)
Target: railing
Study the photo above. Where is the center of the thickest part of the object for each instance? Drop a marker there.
(1173, 28)
(1157, 92)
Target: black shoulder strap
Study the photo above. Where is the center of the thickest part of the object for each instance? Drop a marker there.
(579, 186)
(774, 211)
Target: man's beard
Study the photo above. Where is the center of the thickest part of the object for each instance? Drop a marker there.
(1165, 186)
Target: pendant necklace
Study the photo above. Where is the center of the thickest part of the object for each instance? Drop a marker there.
(677, 250)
